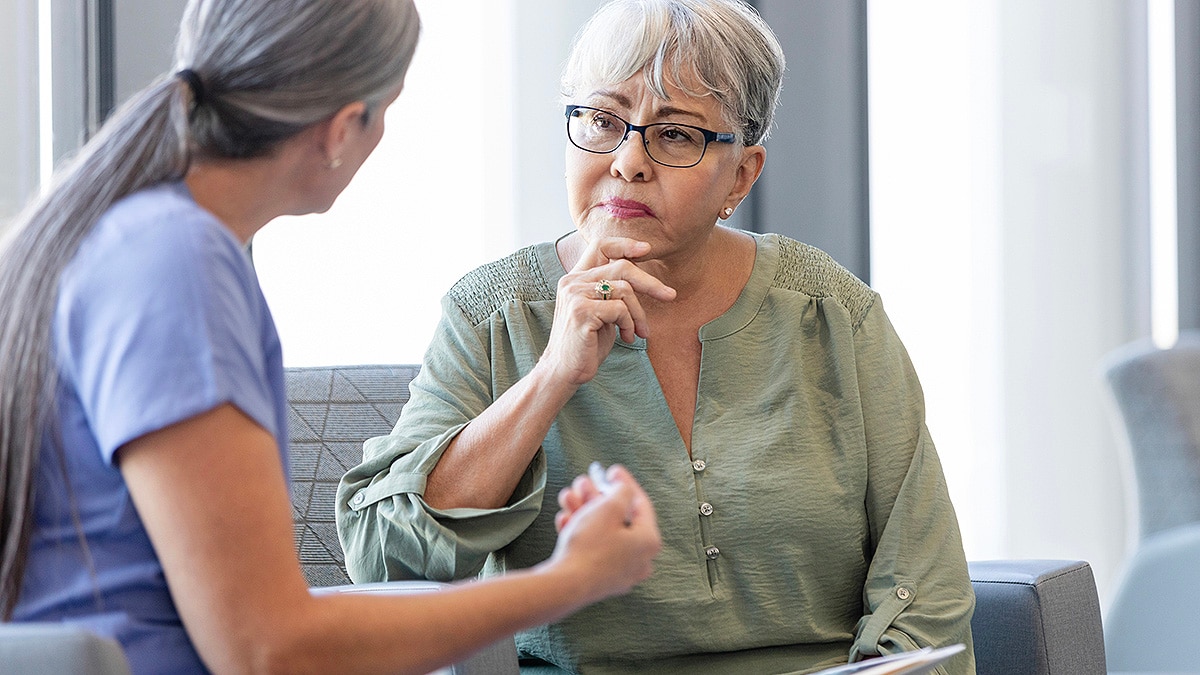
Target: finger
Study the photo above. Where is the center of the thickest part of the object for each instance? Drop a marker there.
(641, 509)
(630, 318)
(638, 279)
(567, 499)
(605, 249)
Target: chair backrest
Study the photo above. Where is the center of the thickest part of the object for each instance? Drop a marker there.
(1036, 617)
(331, 411)
(1157, 393)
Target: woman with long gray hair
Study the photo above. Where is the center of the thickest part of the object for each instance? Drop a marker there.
(142, 407)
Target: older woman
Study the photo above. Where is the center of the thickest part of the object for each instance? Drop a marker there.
(755, 387)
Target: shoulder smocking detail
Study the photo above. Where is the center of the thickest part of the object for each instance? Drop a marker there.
(488, 288)
(809, 270)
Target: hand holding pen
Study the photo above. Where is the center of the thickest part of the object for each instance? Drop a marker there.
(608, 532)
(597, 484)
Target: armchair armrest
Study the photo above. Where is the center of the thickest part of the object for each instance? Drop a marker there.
(1036, 616)
(499, 658)
(59, 648)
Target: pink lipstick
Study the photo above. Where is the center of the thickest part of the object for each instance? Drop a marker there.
(626, 208)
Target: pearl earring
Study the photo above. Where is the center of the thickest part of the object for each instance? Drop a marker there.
(334, 163)
(728, 211)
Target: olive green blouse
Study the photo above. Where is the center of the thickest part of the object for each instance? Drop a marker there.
(811, 524)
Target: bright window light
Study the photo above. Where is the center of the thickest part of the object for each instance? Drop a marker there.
(362, 283)
(1164, 239)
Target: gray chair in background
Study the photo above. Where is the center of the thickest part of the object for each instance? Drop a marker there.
(1155, 613)
(1157, 397)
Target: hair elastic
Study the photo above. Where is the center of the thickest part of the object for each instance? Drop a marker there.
(192, 78)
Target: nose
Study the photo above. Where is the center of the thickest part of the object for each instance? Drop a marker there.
(630, 160)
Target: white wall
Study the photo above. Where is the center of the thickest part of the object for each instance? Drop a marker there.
(543, 33)
(1006, 239)
(470, 168)
(18, 105)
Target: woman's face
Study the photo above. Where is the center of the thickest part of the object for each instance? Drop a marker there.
(625, 193)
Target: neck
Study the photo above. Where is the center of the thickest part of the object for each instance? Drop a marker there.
(243, 194)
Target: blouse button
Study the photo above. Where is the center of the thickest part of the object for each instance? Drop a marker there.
(706, 509)
(903, 593)
(699, 465)
(358, 499)
(712, 552)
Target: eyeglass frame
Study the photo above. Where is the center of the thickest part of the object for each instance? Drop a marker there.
(708, 135)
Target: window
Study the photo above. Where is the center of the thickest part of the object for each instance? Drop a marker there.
(362, 283)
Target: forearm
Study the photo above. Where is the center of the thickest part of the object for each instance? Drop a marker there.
(482, 465)
(417, 633)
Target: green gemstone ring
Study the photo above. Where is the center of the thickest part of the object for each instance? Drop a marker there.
(604, 289)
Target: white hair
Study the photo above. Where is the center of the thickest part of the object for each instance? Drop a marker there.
(719, 48)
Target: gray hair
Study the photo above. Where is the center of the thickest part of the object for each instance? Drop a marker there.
(719, 48)
(249, 74)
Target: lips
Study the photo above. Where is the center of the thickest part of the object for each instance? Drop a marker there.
(626, 208)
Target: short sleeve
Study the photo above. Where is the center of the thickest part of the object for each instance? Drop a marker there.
(159, 319)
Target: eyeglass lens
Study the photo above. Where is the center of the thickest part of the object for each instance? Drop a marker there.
(676, 145)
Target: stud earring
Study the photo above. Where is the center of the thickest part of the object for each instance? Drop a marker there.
(728, 211)
(334, 163)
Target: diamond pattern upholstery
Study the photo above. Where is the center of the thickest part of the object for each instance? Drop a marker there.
(331, 411)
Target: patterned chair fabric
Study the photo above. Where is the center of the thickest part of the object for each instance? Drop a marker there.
(331, 411)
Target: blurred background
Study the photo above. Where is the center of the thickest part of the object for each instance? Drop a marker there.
(1017, 178)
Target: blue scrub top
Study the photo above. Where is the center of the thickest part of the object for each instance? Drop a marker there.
(159, 318)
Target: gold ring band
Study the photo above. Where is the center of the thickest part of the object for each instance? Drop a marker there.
(604, 289)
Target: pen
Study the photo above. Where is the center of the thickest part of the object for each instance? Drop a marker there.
(599, 477)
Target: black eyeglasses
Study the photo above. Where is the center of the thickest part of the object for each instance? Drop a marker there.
(667, 143)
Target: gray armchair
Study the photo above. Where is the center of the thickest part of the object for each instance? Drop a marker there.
(1035, 617)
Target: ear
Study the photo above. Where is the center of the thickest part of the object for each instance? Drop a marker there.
(341, 128)
(754, 158)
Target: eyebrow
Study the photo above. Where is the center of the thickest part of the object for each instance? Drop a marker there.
(664, 111)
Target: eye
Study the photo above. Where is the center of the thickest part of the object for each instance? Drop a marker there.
(677, 134)
(601, 120)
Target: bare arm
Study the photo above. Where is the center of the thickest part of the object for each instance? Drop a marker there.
(213, 497)
(482, 465)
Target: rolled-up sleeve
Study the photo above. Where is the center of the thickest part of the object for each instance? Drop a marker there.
(918, 592)
(386, 528)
